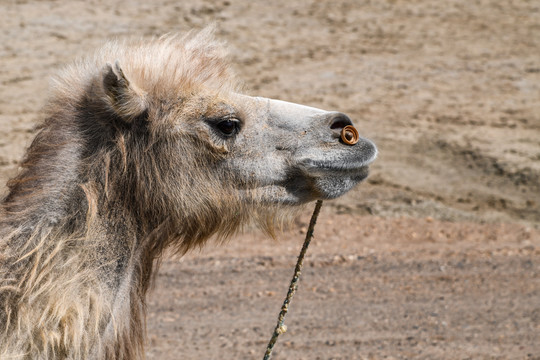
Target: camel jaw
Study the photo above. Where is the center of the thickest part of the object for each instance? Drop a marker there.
(316, 184)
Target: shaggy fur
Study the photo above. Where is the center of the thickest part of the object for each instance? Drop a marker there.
(103, 191)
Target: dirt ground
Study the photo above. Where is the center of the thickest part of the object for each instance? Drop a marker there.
(436, 256)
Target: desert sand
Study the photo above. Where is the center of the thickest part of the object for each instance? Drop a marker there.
(435, 256)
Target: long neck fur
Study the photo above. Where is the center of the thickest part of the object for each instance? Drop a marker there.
(78, 243)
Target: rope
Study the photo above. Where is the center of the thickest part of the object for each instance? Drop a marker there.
(280, 327)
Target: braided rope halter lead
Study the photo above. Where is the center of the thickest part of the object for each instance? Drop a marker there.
(281, 327)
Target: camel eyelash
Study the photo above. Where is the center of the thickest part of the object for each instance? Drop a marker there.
(227, 126)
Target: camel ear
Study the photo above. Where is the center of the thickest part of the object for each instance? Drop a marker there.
(126, 99)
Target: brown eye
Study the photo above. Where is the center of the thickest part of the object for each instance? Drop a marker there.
(228, 127)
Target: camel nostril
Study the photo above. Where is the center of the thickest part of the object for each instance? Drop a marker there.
(339, 121)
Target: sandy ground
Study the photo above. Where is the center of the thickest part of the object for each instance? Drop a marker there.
(436, 256)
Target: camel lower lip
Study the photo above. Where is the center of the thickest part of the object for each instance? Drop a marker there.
(345, 167)
(346, 172)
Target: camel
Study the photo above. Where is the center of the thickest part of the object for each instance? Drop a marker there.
(147, 146)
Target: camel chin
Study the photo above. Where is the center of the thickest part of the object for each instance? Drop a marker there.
(332, 187)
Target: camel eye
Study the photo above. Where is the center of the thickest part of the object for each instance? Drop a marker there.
(228, 127)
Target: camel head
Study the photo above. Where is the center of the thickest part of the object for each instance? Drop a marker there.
(184, 143)
(289, 153)
(270, 150)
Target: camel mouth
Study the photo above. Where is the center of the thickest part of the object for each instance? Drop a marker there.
(344, 168)
(355, 174)
(316, 181)
(341, 163)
